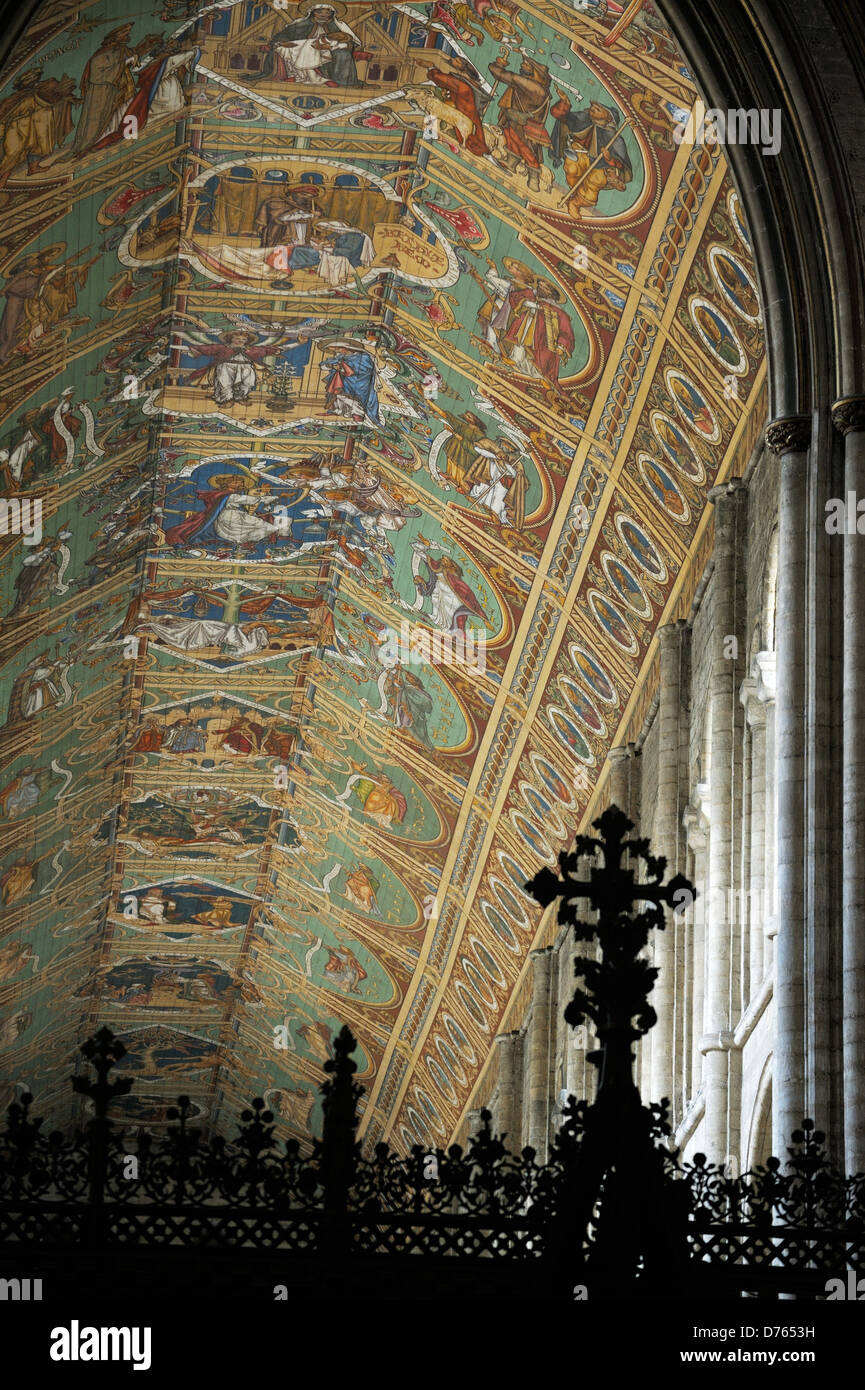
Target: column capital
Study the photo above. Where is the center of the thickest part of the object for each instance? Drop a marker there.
(621, 753)
(542, 952)
(676, 630)
(509, 1038)
(764, 670)
(754, 706)
(789, 435)
(724, 1041)
(696, 827)
(732, 488)
(848, 414)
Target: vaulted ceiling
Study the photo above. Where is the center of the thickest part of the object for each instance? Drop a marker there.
(372, 367)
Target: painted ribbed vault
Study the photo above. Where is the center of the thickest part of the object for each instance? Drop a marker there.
(320, 330)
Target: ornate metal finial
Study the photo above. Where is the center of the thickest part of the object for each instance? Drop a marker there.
(617, 1182)
(616, 988)
(103, 1051)
(340, 1095)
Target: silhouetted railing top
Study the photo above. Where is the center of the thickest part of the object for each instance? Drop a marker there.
(613, 1196)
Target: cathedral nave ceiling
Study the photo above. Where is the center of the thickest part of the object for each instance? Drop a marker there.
(326, 328)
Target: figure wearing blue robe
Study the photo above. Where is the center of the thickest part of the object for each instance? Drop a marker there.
(354, 376)
(198, 528)
(350, 244)
(296, 356)
(304, 258)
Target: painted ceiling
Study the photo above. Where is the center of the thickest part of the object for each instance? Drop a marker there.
(372, 365)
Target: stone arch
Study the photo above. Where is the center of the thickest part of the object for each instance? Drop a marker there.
(811, 266)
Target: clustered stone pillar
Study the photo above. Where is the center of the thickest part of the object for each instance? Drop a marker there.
(540, 1052)
(723, 697)
(697, 832)
(667, 840)
(755, 713)
(790, 439)
(849, 417)
(620, 771)
(766, 663)
(508, 1106)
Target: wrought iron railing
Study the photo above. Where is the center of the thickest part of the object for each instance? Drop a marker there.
(614, 1207)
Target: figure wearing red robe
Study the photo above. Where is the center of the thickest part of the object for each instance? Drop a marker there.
(462, 95)
(197, 522)
(243, 736)
(542, 328)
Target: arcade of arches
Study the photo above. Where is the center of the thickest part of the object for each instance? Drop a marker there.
(416, 433)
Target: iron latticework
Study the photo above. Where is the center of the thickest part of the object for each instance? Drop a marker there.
(614, 1209)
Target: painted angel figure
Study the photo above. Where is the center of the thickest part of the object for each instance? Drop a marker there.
(232, 361)
(452, 602)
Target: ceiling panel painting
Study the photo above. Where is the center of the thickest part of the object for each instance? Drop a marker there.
(371, 365)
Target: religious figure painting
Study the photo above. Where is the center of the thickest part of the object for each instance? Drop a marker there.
(215, 733)
(183, 908)
(198, 822)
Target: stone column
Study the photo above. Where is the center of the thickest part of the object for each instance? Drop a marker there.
(765, 662)
(697, 832)
(849, 418)
(755, 713)
(620, 776)
(540, 1053)
(673, 641)
(723, 698)
(744, 913)
(790, 439)
(507, 1117)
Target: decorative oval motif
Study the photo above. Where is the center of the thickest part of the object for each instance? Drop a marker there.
(426, 1104)
(610, 621)
(477, 982)
(641, 547)
(580, 705)
(735, 283)
(471, 1006)
(449, 1059)
(664, 489)
(567, 733)
(441, 1082)
(718, 335)
(532, 837)
(626, 585)
(487, 962)
(593, 674)
(409, 1140)
(497, 924)
(553, 780)
(677, 447)
(692, 406)
(422, 1130)
(543, 810)
(458, 1038)
(510, 905)
(518, 876)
